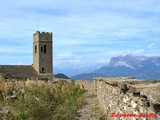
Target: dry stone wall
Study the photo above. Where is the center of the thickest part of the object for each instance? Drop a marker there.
(128, 99)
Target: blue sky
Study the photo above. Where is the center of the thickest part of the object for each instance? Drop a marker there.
(87, 33)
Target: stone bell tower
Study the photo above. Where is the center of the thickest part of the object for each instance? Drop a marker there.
(42, 52)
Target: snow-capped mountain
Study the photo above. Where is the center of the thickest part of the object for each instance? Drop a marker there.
(141, 67)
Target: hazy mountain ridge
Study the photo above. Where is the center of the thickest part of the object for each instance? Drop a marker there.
(141, 67)
(72, 70)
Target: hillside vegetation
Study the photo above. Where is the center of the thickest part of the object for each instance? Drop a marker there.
(61, 75)
(39, 100)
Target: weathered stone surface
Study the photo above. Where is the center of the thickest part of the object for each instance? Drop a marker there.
(153, 94)
(125, 95)
(140, 102)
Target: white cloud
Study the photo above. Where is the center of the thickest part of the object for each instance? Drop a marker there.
(85, 32)
(152, 45)
(139, 51)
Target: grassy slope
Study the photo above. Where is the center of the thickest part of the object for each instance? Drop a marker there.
(39, 101)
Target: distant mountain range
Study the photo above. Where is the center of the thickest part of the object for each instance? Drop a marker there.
(141, 67)
(72, 69)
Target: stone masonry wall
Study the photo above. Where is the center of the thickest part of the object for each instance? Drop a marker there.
(42, 52)
(133, 99)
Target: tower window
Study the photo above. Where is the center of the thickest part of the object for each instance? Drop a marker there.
(43, 69)
(35, 49)
(41, 49)
(44, 48)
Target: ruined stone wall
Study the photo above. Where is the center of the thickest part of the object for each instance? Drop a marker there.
(128, 97)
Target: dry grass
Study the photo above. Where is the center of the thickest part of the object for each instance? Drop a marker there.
(39, 100)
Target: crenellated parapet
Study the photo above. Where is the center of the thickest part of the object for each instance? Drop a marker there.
(42, 36)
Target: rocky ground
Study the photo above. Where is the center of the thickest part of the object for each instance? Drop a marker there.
(91, 111)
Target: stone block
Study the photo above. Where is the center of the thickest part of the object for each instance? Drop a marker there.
(133, 104)
(140, 102)
(135, 99)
